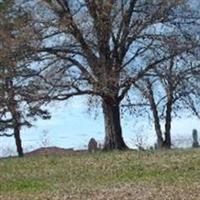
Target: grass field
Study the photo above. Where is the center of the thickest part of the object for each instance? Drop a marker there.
(132, 175)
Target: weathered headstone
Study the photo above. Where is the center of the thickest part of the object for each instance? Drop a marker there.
(92, 145)
(195, 143)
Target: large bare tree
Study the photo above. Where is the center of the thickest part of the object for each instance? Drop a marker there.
(103, 47)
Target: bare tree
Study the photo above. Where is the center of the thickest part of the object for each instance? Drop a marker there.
(103, 48)
(167, 87)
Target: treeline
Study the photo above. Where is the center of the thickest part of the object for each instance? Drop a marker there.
(137, 56)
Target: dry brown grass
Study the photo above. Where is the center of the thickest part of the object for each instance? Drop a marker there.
(166, 175)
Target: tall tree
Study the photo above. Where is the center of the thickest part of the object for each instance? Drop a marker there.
(102, 48)
(168, 87)
(17, 92)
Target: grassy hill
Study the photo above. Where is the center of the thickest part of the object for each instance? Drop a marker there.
(164, 175)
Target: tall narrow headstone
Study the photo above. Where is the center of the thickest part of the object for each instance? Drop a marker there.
(92, 145)
(195, 143)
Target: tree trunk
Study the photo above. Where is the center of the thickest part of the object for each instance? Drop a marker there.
(113, 130)
(18, 141)
(167, 142)
(150, 96)
(12, 106)
(158, 129)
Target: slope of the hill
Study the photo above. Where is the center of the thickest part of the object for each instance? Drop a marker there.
(162, 175)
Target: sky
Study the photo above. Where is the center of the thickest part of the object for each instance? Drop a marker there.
(72, 127)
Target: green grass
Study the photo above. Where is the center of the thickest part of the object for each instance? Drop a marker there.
(103, 176)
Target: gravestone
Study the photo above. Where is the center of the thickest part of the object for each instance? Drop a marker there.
(92, 145)
(195, 143)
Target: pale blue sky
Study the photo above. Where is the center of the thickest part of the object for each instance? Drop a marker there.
(71, 126)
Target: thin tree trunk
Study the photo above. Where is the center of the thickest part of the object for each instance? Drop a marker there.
(18, 141)
(17, 127)
(167, 142)
(168, 117)
(12, 105)
(113, 138)
(157, 125)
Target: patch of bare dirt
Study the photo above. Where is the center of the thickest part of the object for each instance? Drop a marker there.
(54, 151)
